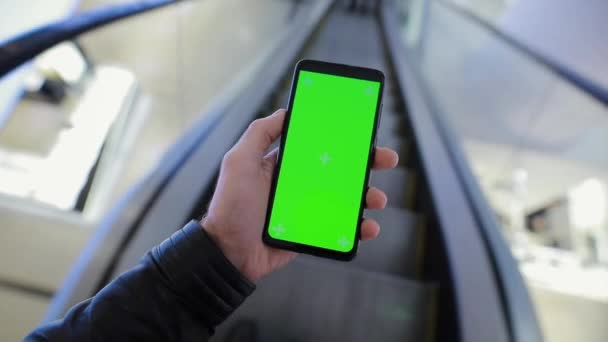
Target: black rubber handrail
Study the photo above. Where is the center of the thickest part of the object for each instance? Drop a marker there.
(22, 48)
(574, 78)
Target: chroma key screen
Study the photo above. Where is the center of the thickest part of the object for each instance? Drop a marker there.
(322, 174)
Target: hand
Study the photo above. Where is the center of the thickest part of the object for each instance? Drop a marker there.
(237, 212)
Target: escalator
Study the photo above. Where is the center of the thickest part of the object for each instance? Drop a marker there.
(380, 296)
(438, 271)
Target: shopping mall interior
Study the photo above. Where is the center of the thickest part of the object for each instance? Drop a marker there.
(115, 116)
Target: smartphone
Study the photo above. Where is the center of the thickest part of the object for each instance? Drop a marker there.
(318, 191)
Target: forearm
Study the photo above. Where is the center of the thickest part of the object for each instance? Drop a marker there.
(180, 291)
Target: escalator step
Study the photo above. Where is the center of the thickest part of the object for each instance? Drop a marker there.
(400, 145)
(396, 183)
(396, 120)
(387, 139)
(389, 123)
(351, 40)
(391, 104)
(315, 301)
(282, 98)
(395, 250)
(390, 98)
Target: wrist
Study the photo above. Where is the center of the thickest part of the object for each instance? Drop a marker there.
(233, 253)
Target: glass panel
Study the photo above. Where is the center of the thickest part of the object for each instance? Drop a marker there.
(537, 146)
(559, 35)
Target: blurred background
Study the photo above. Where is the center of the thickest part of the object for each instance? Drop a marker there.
(497, 226)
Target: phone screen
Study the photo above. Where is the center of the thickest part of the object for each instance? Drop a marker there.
(322, 175)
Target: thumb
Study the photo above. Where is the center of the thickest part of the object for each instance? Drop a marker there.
(261, 133)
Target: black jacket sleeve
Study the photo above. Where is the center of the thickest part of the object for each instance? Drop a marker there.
(179, 291)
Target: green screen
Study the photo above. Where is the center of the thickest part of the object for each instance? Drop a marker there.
(322, 173)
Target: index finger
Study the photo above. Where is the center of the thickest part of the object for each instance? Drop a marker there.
(261, 133)
(385, 158)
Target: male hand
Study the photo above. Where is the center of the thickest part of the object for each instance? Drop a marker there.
(237, 212)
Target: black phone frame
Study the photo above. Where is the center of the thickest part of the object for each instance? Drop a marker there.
(338, 70)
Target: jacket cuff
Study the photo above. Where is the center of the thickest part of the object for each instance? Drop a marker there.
(201, 275)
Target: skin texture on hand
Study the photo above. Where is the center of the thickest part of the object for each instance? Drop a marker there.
(237, 212)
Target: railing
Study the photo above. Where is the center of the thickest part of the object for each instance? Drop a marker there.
(28, 45)
(489, 306)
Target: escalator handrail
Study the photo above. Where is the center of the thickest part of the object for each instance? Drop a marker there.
(572, 77)
(516, 300)
(519, 313)
(119, 224)
(137, 211)
(19, 49)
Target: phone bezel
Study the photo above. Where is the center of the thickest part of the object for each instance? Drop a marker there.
(338, 70)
